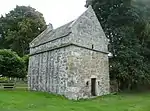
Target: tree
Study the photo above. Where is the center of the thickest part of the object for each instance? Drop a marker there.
(26, 61)
(11, 65)
(19, 27)
(129, 66)
(1, 33)
(126, 24)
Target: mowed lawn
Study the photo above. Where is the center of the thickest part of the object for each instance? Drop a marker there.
(37, 101)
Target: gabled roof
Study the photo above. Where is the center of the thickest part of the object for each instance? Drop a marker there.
(49, 35)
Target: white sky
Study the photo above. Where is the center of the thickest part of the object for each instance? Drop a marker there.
(57, 12)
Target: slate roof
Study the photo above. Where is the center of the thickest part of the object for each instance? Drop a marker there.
(53, 34)
(49, 35)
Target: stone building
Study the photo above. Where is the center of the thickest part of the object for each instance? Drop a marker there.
(71, 60)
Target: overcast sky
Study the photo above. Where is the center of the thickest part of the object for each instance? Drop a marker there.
(57, 12)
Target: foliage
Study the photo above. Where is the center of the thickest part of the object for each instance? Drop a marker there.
(129, 66)
(26, 61)
(126, 24)
(11, 65)
(46, 102)
(19, 27)
(3, 79)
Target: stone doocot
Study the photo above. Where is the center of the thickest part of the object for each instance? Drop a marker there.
(71, 60)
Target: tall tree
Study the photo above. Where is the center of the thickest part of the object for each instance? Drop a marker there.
(125, 23)
(19, 27)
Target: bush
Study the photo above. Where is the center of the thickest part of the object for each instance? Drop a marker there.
(11, 65)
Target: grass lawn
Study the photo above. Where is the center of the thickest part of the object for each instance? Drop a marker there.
(36, 101)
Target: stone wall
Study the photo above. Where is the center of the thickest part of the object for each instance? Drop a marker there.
(47, 71)
(51, 45)
(67, 70)
(84, 64)
(87, 32)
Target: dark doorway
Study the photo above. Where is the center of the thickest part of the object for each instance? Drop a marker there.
(93, 86)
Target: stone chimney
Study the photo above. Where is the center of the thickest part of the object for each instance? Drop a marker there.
(49, 27)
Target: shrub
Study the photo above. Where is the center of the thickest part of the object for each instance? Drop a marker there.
(11, 65)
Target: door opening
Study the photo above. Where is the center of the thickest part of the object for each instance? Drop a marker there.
(93, 86)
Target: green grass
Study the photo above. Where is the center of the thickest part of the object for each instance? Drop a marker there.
(36, 101)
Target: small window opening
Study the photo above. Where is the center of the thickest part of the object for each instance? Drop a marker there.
(98, 83)
(92, 46)
(87, 83)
